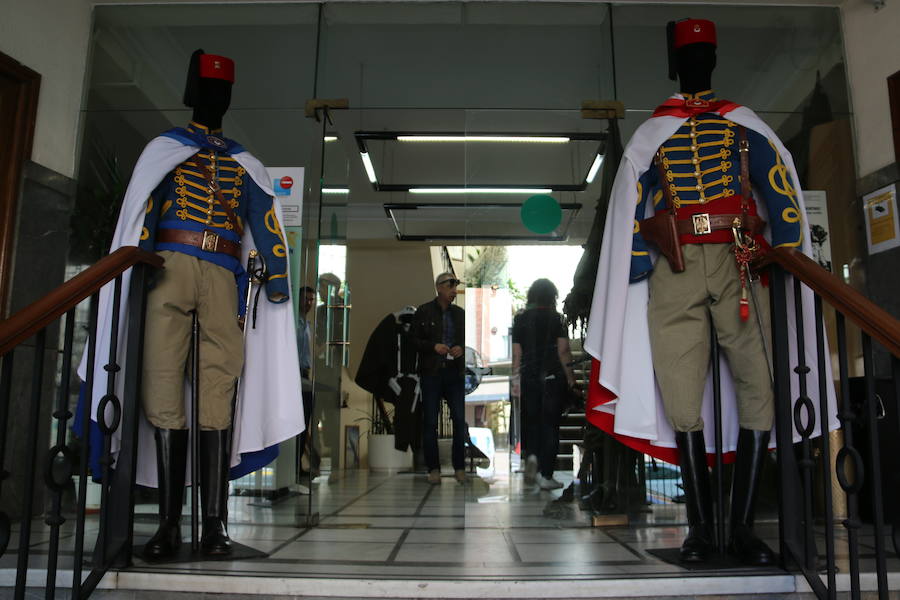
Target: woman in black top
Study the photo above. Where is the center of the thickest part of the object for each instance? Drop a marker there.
(541, 372)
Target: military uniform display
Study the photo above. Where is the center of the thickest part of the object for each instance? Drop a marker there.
(696, 174)
(703, 188)
(200, 240)
(204, 204)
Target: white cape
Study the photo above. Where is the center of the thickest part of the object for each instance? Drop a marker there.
(618, 335)
(269, 406)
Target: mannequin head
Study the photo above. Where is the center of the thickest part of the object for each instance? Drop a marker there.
(208, 88)
(692, 54)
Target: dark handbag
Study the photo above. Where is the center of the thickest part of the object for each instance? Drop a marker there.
(572, 401)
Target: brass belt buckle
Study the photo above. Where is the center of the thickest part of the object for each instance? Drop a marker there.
(701, 224)
(210, 241)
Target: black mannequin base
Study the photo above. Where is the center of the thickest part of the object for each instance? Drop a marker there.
(185, 555)
(714, 562)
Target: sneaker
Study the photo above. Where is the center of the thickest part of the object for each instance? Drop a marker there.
(434, 476)
(459, 475)
(531, 468)
(548, 483)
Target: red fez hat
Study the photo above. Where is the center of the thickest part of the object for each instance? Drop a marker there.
(213, 66)
(693, 31)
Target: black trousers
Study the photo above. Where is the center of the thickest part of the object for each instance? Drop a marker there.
(542, 416)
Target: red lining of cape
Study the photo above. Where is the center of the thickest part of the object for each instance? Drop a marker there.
(597, 395)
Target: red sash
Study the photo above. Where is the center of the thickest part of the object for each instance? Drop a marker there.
(678, 107)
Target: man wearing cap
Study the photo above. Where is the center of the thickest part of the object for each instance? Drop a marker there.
(716, 179)
(202, 202)
(439, 331)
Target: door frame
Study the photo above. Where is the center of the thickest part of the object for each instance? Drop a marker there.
(22, 114)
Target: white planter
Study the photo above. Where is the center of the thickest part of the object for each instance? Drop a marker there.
(384, 457)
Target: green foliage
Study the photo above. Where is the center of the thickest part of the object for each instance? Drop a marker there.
(517, 295)
(486, 266)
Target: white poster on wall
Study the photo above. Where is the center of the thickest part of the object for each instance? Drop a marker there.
(819, 232)
(288, 185)
(882, 225)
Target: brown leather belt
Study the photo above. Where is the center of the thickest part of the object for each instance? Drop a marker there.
(704, 223)
(207, 240)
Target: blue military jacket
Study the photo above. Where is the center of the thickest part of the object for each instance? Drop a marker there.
(183, 200)
(701, 166)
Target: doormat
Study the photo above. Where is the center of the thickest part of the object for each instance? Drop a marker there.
(185, 555)
(715, 562)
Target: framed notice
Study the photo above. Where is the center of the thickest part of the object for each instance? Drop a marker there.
(287, 182)
(882, 224)
(819, 232)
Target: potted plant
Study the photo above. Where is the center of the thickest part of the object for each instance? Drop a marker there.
(382, 456)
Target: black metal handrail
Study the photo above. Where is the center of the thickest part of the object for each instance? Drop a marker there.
(797, 462)
(113, 546)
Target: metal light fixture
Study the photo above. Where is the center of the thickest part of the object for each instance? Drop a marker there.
(474, 190)
(595, 167)
(537, 139)
(370, 170)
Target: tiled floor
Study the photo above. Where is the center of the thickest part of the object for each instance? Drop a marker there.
(398, 526)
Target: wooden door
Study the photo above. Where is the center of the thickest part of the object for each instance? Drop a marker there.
(19, 87)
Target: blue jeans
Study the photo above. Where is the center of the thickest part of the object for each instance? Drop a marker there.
(447, 384)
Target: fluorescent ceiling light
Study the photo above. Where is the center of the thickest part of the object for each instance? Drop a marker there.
(330, 138)
(483, 138)
(335, 190)
(370, 170)
(594, 168)
(474, 190)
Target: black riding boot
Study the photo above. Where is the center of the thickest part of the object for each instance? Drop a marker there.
(171, 457)
(751, 454)
(215, 453)
(697, 497)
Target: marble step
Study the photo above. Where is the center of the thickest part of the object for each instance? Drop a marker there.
(136, 585)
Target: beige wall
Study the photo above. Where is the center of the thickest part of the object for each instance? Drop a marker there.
(51, 37)
(872, 47)
(383, 277)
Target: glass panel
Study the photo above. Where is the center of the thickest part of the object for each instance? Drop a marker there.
(548, 170)
(326, 223)
(139, 60)
(381, 216)
(140, 53)
(492, 54)
(768, 58)
(375, 402)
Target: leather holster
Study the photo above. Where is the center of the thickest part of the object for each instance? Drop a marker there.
(660, 231)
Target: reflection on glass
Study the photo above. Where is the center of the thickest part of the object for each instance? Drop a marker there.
(456, 180)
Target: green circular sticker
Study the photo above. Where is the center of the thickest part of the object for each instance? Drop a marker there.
(541, 213)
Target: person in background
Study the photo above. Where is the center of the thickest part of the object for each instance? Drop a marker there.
(327, 393)
(439, 330)
(304, 353)
(541, 371)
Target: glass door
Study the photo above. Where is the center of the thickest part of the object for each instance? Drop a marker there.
(375, 259)
(532, 183)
